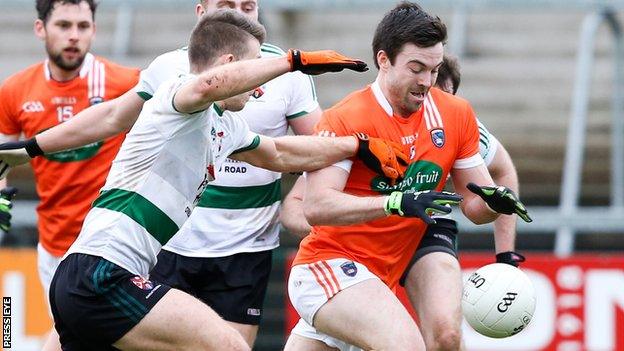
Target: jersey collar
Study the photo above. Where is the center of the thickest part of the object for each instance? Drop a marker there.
(381, 98)
(84, 70)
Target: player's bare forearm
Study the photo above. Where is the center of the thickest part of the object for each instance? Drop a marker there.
(477, 211)
(333, 207)
(93, 124)
(504, 173)
(224, 81)
(299, 153)
(473, 207)
(325, 203)
(291, 212)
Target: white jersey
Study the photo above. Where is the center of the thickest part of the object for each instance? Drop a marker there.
(488, 144)
(157, 178)
(238, 212)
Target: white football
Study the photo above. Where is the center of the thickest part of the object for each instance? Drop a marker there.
(498, 300)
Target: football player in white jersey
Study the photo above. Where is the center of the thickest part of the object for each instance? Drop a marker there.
(433, 278)
(234, 256)
(222, 254)
(100, 297)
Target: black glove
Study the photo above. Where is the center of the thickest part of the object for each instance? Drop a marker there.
(501, 199)
(420, 204)
(6, 195)
(318, 62)
(15, 153)
(510, 257)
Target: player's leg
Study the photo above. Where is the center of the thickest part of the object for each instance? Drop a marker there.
(181, 322)
(46, 266)
(433, 285)
(305, 337)
(370, 316)
(343, 300)
(297, 342)
(98, 305)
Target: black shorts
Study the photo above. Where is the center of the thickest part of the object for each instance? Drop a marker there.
(95, 302)
(439, 237)
(234, 286)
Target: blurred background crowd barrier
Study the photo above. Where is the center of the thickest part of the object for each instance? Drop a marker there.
(546, 77)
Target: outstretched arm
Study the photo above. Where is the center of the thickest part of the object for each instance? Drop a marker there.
(93, 124)
(224, 81)
(235, 78)
(298, 153)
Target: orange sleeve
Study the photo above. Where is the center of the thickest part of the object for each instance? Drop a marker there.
(8, 120)
(468, 134)
(331, 125)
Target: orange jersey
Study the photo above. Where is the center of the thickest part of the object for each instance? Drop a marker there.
(442, 135)
(68, 181)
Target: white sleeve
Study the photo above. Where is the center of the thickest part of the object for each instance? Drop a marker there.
(163, 97)
(302, 99)
(488, 144)
(243, 139)
(165, 67)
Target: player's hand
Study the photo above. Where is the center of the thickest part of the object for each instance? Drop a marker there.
(6, 195)
(421, 204)
(501, 199)
(382, 156)
(510, 257)
(15, 153)
(318, 62)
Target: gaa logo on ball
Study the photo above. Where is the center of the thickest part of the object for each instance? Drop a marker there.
(498, 300)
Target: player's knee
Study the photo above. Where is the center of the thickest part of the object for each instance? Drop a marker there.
(446, 338)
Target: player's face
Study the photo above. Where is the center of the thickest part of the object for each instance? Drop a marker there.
(248, 8)
(67, 33)
(413, 73)
(237, 102)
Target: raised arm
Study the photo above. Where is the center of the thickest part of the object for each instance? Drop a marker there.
(235, 78)
(224, 81)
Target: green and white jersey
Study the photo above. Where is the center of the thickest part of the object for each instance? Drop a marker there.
(238, 212)
(162, 168)
(488, 144)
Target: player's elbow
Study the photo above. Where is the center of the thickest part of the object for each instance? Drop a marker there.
(314, 212)
(478, 212)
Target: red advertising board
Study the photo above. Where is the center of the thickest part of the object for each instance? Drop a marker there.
(580, 305)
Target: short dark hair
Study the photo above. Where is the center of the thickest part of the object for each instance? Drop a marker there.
(223, 31)
(44, 7)
(407, 23)
(450, 70)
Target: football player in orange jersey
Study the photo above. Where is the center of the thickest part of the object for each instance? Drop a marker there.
(434, 267)
(52, 92)
(342, 278)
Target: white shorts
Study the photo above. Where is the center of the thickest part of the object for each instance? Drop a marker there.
(307, 331)
(47, 265)
(311, 285)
